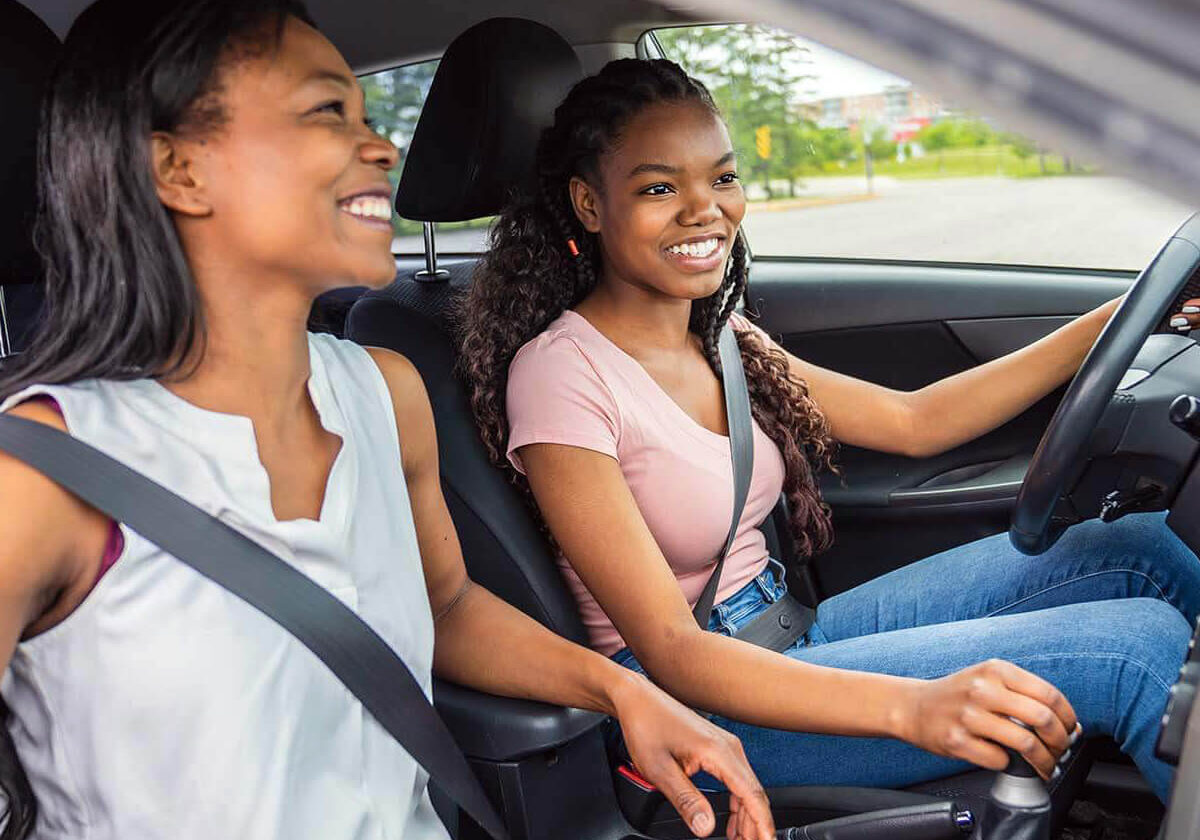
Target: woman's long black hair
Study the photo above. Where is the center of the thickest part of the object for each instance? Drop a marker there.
(120, 301)
(530, 275)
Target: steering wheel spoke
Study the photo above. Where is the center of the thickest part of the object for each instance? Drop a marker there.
(1068, 441)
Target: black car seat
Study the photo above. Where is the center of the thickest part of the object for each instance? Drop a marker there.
(27, 53)
(496, 87)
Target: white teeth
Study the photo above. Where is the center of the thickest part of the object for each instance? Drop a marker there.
(696, 249)
(369, 207)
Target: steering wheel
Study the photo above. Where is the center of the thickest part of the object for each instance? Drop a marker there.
(1061, 454)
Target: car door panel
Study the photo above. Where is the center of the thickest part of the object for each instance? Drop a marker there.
(905, 326)
(990, 338)
(802, 296)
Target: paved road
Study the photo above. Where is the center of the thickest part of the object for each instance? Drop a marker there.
(1086, 221)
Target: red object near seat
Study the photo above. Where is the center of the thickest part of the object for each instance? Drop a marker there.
(634, 776)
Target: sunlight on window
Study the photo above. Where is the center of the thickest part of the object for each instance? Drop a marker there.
(841, 159)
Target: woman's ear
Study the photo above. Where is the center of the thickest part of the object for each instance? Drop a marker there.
(175, 175)
(585, 201)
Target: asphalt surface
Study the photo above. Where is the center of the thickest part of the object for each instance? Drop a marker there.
(1084, 221)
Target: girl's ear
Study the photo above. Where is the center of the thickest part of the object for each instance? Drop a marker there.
(584, 200)
(176, 178)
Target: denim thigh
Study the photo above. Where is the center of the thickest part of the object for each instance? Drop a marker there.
(1114, 660)
(1136, 557)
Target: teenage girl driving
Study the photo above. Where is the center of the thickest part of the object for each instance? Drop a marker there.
(590, 346)
(206, 171)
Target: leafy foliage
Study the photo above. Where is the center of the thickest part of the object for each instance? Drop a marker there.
(755, 75)
(758, 77)
(394, 101)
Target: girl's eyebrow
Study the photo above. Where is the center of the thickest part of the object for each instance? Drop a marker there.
(666, 169)
(653, 167)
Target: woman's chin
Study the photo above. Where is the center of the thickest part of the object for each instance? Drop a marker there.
(377, 272)
(383, 277)
(372, 276)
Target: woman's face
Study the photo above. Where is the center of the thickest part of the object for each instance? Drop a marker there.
(668, 202)
(292, 184)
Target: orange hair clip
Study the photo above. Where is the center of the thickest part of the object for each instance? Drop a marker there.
(572, 247)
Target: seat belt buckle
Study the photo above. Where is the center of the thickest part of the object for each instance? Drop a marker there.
(636, 778)
(637, 797)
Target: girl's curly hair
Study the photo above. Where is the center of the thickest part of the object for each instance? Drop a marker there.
(529, 277)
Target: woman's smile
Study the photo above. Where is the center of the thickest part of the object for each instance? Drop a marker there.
(372, 208)
(697, 254)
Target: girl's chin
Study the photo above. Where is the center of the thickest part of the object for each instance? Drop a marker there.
(702, 287)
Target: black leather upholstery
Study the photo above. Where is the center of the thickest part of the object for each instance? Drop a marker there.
(494, 91)
(444, 179)
(27, 52)
(504, 729)
(503, 546)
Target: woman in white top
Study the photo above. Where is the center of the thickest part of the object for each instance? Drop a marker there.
(206, 171)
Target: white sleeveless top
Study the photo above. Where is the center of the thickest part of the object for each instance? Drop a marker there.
(166, 707)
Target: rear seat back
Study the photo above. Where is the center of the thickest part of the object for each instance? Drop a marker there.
(495, 89)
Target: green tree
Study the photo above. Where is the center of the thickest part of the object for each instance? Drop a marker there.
(880, 144)
(755, 74)
(394, 100)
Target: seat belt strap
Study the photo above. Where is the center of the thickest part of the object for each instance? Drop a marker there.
(364, 663)
(741, 449)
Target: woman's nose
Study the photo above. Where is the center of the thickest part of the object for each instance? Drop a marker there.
(379, 151)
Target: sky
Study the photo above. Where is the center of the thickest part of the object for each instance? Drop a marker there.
(838, 74)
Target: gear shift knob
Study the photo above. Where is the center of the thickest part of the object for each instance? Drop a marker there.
(1019, 806)
(1018, 767)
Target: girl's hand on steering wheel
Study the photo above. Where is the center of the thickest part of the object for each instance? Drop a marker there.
(966, 715)
(1188, 318)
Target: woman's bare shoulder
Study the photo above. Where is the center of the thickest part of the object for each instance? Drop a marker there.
(45, 530)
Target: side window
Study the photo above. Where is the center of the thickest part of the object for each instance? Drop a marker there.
(394, 101)
(841, 159)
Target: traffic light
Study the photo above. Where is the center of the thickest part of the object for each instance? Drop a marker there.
(762, 141)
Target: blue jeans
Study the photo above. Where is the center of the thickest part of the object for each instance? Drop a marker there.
(1105, 615)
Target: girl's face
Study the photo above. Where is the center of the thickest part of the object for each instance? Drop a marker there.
(668, 202)
(292, 183)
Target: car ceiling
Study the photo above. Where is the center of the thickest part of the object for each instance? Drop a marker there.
(1111, 82)
(375, 34)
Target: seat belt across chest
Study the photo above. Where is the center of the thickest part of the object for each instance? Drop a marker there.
(364, 663)
(780, 625)
(741, 450)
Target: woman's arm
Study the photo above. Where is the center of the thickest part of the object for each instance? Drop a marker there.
(590, 510)
(485, 643)
(958, 408)
(50, 548)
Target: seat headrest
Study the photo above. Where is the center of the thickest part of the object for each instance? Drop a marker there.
(496, 88)
(29, 50)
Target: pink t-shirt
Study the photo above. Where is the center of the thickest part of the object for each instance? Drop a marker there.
(571, 385)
